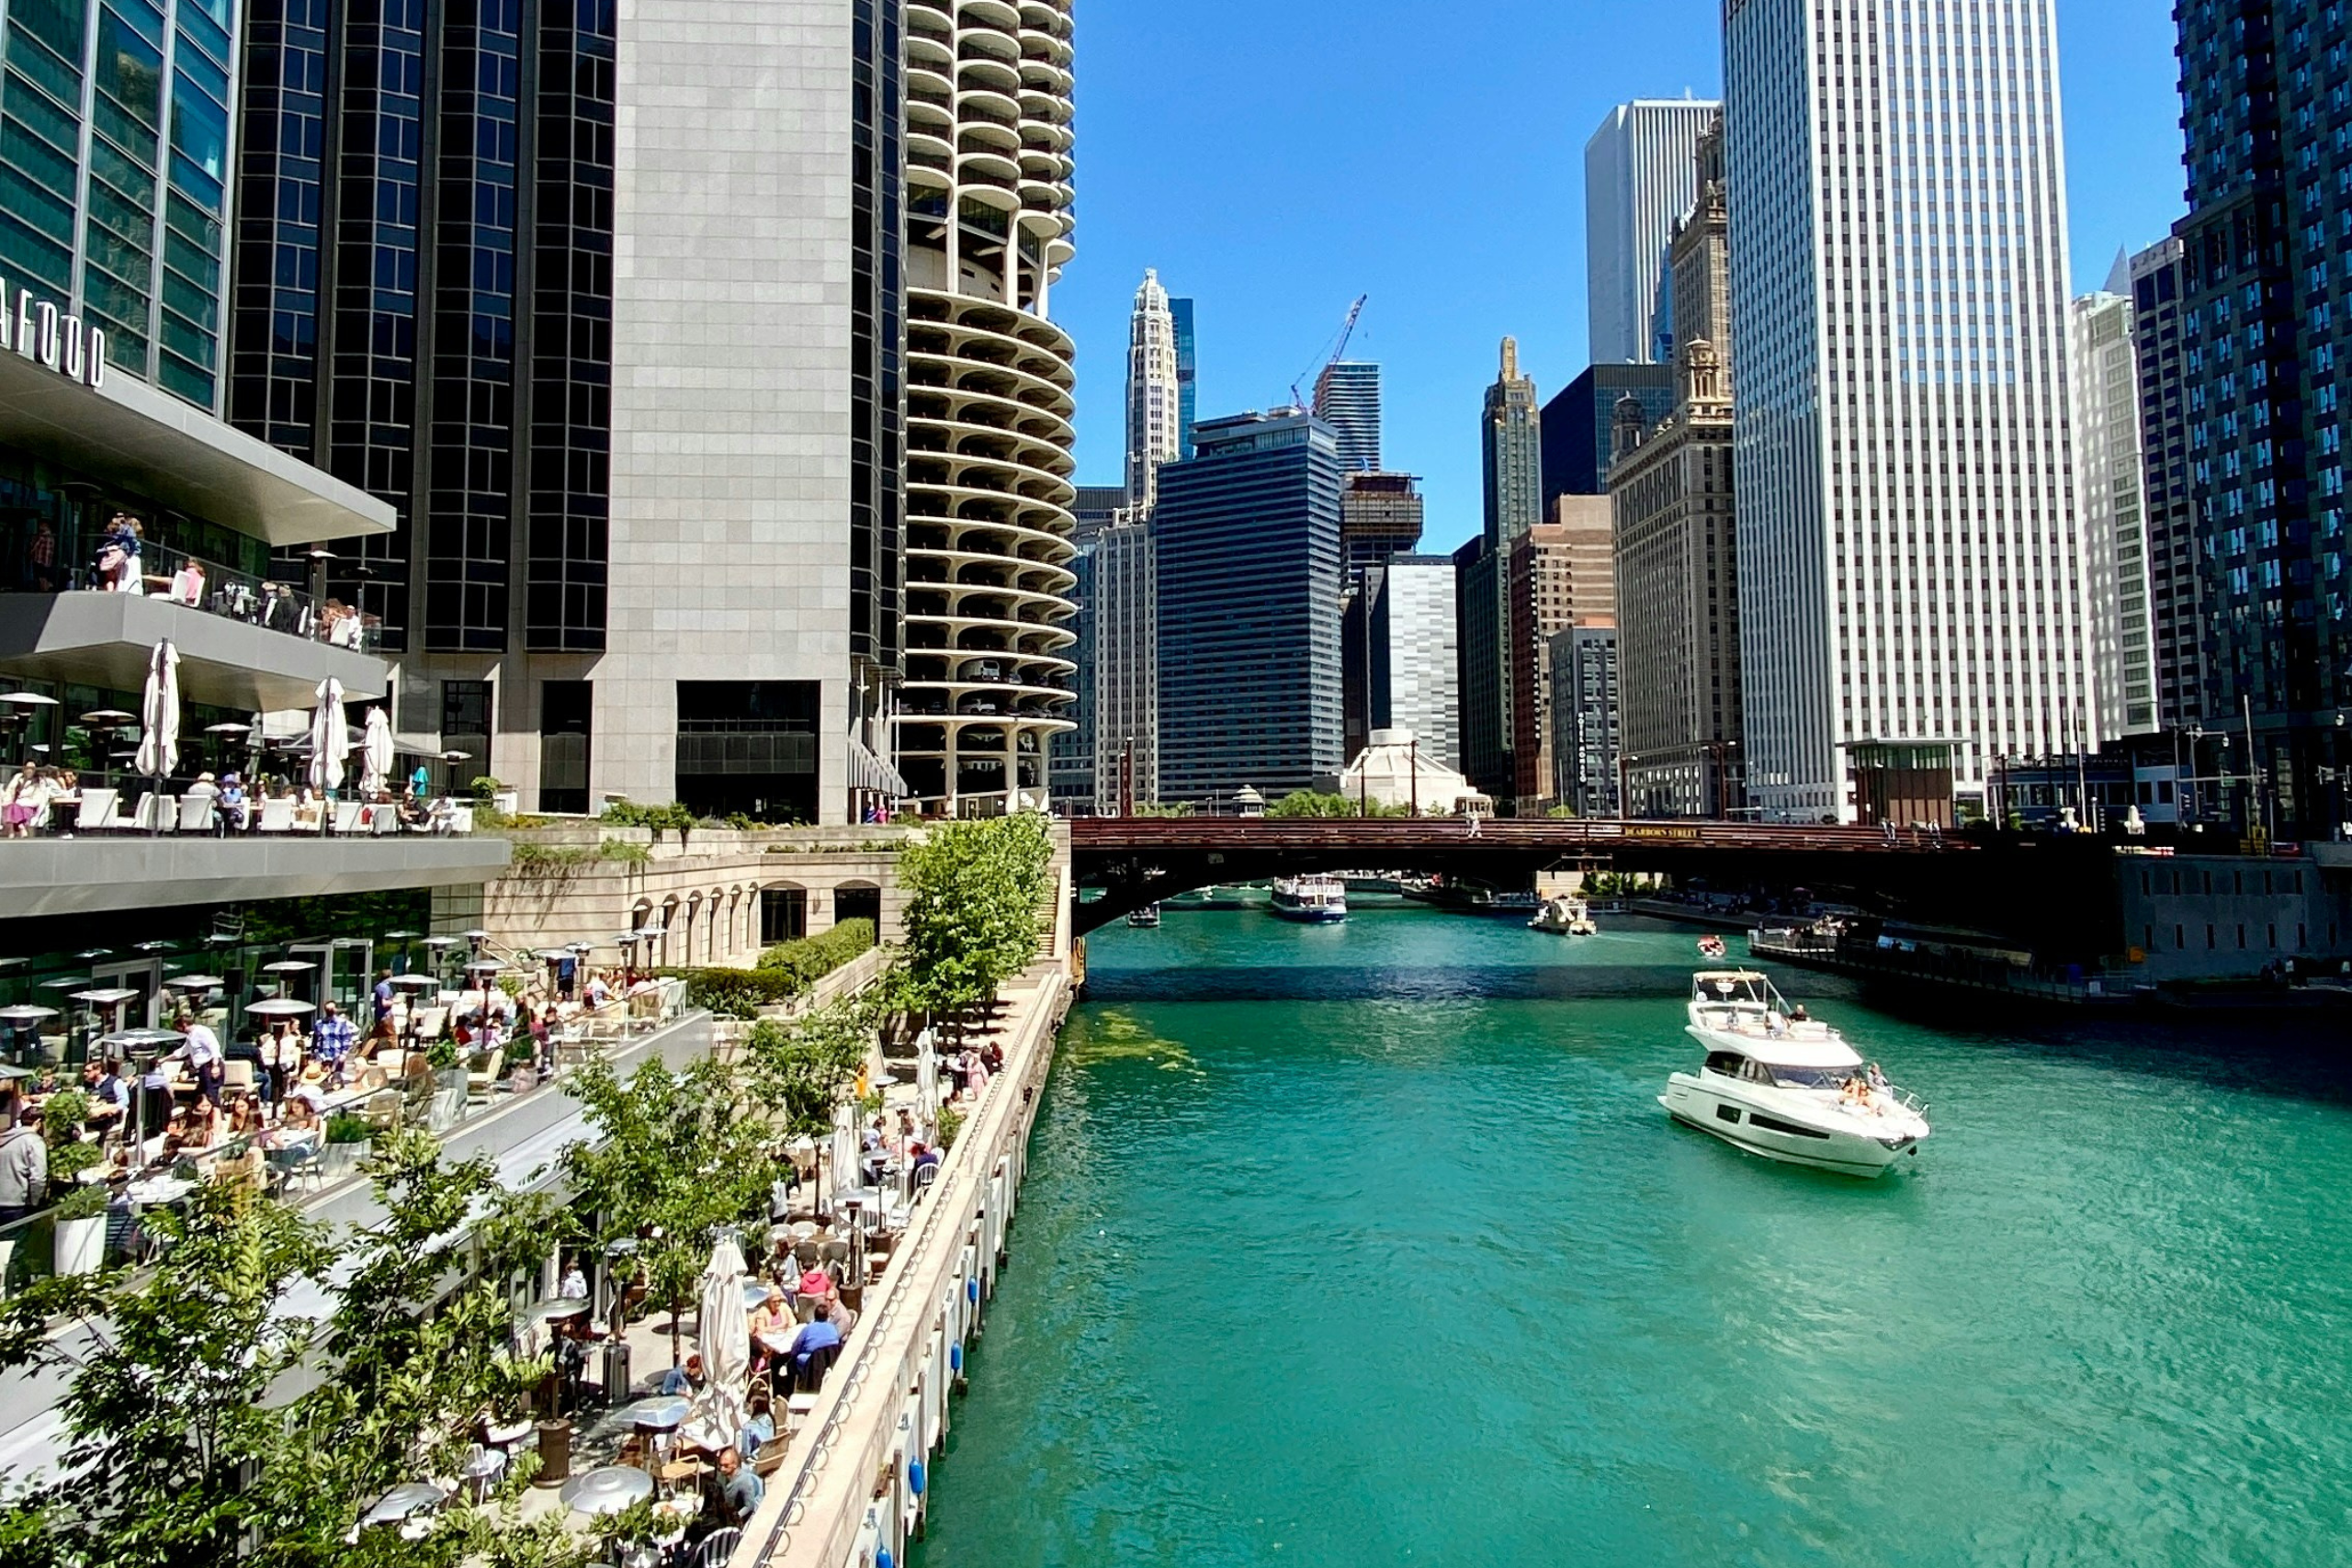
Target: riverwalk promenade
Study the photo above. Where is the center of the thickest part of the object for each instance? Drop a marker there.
(855, 1475)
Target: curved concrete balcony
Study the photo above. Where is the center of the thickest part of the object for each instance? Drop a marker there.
(962, 569)
(998, 14)
(991, 332)
(979, 601)
(952, 373)
(932, 526)
(993, 410)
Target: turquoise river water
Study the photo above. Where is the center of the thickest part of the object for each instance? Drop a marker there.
(1370, 1245)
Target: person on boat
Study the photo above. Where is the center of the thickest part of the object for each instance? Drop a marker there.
(1798, 1014)
(1877, 1078)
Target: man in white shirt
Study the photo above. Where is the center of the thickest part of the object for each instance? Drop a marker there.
(202, 1054)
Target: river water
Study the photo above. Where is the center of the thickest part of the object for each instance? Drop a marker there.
(1370, 1245)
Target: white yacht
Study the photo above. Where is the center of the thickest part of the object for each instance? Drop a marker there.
(1315, 899)
(1564, 916)
(1779, 1084)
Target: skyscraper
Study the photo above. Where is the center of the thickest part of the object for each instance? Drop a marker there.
(1911, 569)
(1187, 375)
(1555, 574)
(1637, 181)
(114, 186)
(2265, 315)
(1412, 632)
(2108, 489)
(577, 346)
(1511, 467)
(1070, 753)
(2174, 595)
(1670, 484)
(1155, 397)
(1577, 420)
(1380, 516)
(1347, 398)
(1121, 609)
(1248, 544)
(1585, 717)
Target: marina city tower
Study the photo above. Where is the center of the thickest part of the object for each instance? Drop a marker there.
(989, 382)
(1911, 575)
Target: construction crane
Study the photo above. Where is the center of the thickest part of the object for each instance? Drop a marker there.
(1315, 371)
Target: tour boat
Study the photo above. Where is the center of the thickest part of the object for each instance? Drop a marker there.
(1317, 899)
(1564, 916)
(1144, 919)
(1779, 1084)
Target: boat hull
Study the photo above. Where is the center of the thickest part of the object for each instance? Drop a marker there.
(1718, 1108)
(1310, 915)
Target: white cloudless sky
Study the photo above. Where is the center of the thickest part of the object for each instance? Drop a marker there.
(1276, 158)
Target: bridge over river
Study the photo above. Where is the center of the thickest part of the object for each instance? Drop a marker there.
(2043, 892)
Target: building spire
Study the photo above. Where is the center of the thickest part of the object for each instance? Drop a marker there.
(1510, 359)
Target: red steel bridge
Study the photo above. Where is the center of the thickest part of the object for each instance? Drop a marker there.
(2033, 890)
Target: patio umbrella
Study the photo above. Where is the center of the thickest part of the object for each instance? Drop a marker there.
(926, 1079)
(328, 741)
(846, 1175)
(159, 714)
(723, 1334)
(376, 752)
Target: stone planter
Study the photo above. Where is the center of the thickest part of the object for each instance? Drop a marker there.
(510, 801)
(81, 1245)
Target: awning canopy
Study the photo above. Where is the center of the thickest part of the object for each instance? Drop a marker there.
(129, 433)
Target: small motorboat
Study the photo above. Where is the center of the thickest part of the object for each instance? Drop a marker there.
(1565, 914)
(1786, 1086)
(1144, 919)
(1712, 948)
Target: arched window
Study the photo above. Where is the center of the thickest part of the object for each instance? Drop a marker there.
(858, 901)
(783, 913)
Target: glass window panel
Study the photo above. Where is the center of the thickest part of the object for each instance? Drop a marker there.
(187, 380)
(56, 77)
(37, 158)
(39, 209)
(199, 129)
(131, 71)
(26, 253)
(207, 35)
(60, 24)
(52, 124)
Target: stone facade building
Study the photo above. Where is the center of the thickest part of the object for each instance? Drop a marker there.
(1557, 574)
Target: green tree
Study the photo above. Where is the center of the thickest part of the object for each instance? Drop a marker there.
(975, 894)
(676, 1160)
(411, 1366)
(1311, 802)
(164, 1403)
(797, 1070)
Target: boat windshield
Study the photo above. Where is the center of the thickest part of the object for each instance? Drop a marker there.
(1814, 1078)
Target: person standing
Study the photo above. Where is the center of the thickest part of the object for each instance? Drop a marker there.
(383, 995)
(24, 1167)
(333, 1037)
(203, 1055)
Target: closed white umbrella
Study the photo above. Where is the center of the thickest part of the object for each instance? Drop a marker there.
(159, 712)
(845, 1164)
(926, 1079)
(328, 740)
(723, 1334)
(376, 752)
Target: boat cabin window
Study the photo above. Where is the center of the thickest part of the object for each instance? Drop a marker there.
(1731, 1064)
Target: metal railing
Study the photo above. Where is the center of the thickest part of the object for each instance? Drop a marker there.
(180, 578)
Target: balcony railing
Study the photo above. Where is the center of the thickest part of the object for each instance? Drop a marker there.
(164, 572)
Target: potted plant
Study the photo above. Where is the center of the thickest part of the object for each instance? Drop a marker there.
(493, 793)
(346, 1139)
(61, 1122)
(80, 1240)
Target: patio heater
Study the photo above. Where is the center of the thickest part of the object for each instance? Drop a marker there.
(143, 1049)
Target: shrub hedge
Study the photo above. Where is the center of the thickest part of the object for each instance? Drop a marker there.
(784, 971)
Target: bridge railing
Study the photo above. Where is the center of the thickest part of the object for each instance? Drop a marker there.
(1565, 836)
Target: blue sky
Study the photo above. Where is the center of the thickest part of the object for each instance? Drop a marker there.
(1276, 158)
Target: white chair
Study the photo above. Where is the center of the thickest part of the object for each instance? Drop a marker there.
(155, 812)
(346, 815)
(277, 816)
(465, 821)
(196, 813)
(97, 811)
(387, 820)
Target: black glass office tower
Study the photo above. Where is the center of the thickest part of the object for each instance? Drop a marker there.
(2266, 311)
(1247, 536)
(422, 299)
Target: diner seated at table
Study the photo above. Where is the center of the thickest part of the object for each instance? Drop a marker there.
(235, 807)
(244, 1116)
(109, 1088)
(759, 1428)
(731, 1493)
(686, 1379)
(812, 1350)
(297, 1125)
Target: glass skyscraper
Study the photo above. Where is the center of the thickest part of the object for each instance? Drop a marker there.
(1247, 546)
(1910, 559)
(116, 148)
(2266, 311)
(1638, 182)
(1187, 375)
(1347, 398)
